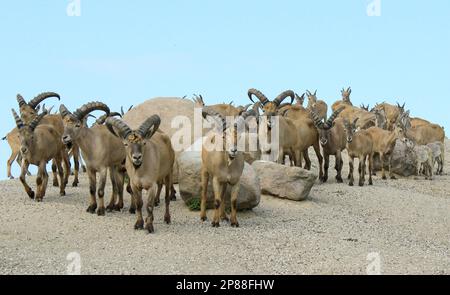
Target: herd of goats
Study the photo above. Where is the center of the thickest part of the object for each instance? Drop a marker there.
(146, 157)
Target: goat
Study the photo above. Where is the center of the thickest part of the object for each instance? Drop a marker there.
(424, 158)
(438, 150)
(101, 150)
(345, 101)
(224, 163)
(38, 145)
(383, 144)
(333, 141)
(149, 163)
(359, 145)
(319, 106)
(391, 112)
(28, 112)
(285, 131)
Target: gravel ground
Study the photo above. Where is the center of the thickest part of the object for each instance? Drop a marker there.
(405, 221)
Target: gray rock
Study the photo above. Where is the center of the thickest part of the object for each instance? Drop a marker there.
(293, 183)
(189, 180)
(403, 160)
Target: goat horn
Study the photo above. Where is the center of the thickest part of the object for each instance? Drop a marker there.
(19, 121)
(21, 100)
(37, 120)
(209, 112)
(38, 99)
(329, 122)
(120, 125)
(282, 96)
(90, 107)
(154, 121)
(246, 107)
(262, 98)
(317, 121)
(102, 119)
(64, 111)
(249, 113)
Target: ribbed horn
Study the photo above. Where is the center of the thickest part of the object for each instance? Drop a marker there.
(246, 107)
(102, 119)
(64, 111)
(209, 112)
(19, 122)
(38, 99)
(317, 121)
(262, 98)
(21, 100)
(120, 125)
(329, 122)
(154, 121)
(282, 96)
(90, 107)
(37, 120)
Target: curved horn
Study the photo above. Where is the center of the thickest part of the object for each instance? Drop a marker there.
(329, 122)
(90, 107)
(246, 107)
(19, 122)
(37, 120)
(64, 111)
(21, 100)
(38, 99)
(120, 125)
(209, 112)
(317, 121)
(102, 119)
(262, 98)
(154, 121)
(282, 96)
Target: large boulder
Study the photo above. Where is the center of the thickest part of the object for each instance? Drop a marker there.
(189, 180)
(168, 108)
(403, 160)
(293, 183)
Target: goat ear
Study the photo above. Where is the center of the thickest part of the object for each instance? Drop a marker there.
(315, 92)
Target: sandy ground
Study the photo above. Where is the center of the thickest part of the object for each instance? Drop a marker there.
(406, 222)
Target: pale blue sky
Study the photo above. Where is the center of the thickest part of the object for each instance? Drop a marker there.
(123, 52)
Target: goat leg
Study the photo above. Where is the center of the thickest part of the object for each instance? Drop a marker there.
(24, 171)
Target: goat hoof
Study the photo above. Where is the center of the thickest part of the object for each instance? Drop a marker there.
(370, 182)
(167, 219)
(117, 207)
(384, 177)
(350, 184)
(62, 194)
(31, 195)
(361, 184)
(173, 197)
(215, 224)
(55, 184)
(149, 228)
(157, 203)
(393, 177)
(11, 177)
(75, 184)
(109, 208)
(339, 180)
(203, 218)
(132, 210)
(101, 211)
(91, 209)
(139, 224)
(235, 224)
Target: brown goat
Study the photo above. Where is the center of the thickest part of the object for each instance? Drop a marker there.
(38, 145)
(149, 163)
(359, 145)
(318, 106)
(333, 141)
(345, 101)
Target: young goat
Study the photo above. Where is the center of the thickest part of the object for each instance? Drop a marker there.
(424, 158)
(438, 150)
(149, 163)
(38, 145)
(359, 145)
